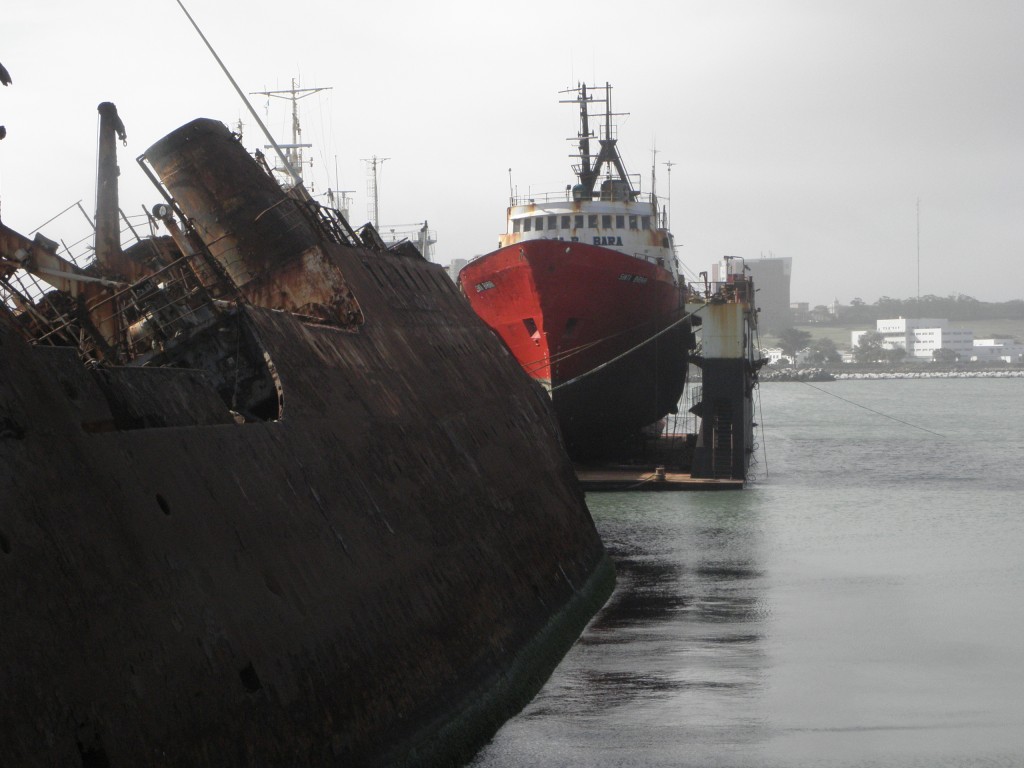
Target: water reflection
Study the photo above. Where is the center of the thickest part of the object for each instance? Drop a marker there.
(860, 609)
(678, 651)
(647, 594)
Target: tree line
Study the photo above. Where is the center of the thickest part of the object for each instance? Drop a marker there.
(819, 351)
(870, 348)
(959, 307)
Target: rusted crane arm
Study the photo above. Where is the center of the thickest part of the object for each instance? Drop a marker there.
(39, 257)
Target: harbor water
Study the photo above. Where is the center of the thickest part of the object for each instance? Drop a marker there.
(860, 604)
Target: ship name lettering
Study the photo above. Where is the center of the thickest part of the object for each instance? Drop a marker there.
(607, 240)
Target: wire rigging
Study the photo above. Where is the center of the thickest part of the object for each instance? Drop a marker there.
(662, 332)
(760, 413)
(872, 410)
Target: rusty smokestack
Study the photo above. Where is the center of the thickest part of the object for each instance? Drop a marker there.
(246, 220)
(108, 225)
(263, 238)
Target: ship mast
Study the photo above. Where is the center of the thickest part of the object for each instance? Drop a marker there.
(609, 153)
(585, 136)
(291, 171)
(668, 207)
(375, 164)
(294, 150)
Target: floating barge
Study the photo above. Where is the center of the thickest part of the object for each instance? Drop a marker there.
(644, 479)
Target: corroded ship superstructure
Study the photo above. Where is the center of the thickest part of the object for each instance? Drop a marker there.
(272, 493)
(585, 291)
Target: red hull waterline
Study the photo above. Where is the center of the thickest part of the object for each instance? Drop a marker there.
(600, 329)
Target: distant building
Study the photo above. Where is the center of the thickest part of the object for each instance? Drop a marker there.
(771, 282)
(455, 267)
(776, 356)
(921, 337)
(992, 350)
(802, 313)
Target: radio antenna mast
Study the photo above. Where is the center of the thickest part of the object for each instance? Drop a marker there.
(668, 164)
(293, 94)
(284, 161)
(376, 164)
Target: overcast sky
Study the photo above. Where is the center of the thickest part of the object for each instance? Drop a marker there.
(800, 128)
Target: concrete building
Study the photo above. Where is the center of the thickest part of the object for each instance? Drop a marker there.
(993, 350)
(775, 356)
(455, 267)
(921, 337)
(771, 281)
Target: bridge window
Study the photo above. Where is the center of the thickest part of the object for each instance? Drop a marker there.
(632, 221)
(565, 222)
(645, 222)
(540, 223)
(515, 225)
(620, 222)
(552, 222)
(606, 221)
(592, 221)
(578, 221)
(527, 224)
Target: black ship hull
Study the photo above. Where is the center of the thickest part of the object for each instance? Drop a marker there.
(602, 412)
(377, 570)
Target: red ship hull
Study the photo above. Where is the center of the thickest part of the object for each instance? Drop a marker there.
(597, 327)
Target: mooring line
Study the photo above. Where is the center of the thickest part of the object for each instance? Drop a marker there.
(885, 415)
(605, 364)
(760, 423)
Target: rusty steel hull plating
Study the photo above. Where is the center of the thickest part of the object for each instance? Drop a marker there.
(378, 573)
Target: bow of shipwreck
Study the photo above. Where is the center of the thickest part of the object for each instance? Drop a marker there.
(271, 493)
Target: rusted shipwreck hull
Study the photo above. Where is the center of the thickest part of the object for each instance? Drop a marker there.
(365, 548)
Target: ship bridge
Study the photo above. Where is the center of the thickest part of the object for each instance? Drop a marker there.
(632, 227)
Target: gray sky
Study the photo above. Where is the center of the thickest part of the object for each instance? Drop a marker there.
(807, 129)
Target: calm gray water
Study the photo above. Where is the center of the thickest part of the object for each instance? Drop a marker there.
(861, 605)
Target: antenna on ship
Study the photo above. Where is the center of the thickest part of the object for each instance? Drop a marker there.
(588, 172)
(654, 172)
(372, 188)
(583, 136)
(294, 150)
(284, 161)
(668, 224)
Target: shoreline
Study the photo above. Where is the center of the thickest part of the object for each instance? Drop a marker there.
(822, 374)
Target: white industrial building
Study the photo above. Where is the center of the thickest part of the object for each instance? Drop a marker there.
(993, 350)
(775, 356)
(455, 267)
(921, 337)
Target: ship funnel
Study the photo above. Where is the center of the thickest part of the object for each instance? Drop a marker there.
(245, 219)
(265, 240)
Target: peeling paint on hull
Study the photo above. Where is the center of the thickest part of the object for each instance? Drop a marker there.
(380, 576)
